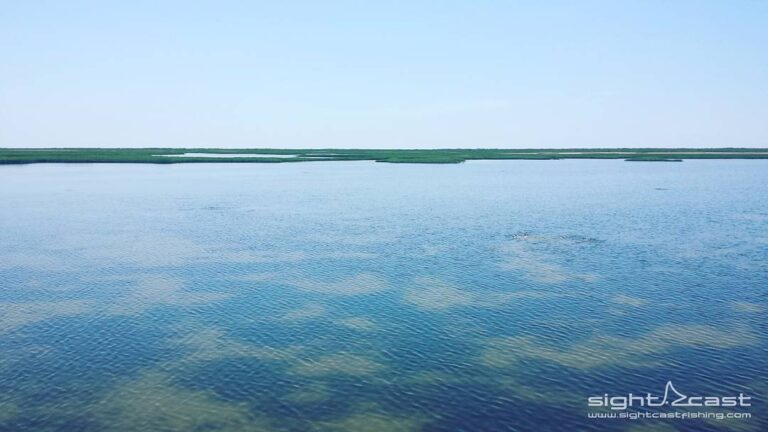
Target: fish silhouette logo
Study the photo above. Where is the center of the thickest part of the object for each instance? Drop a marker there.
(669, 390)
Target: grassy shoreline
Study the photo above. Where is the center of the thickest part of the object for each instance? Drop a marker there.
(175, 155)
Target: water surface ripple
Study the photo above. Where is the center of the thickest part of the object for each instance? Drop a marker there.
(355, 296)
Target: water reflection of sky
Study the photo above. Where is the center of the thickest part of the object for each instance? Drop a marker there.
(362, 296)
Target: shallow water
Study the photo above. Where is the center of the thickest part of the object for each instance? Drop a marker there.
(484, 296)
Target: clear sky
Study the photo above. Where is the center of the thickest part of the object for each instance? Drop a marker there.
(387, 74)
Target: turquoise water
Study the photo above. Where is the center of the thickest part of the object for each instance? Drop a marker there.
(346, 296)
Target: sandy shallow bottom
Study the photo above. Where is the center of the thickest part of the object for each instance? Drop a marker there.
(487, 296)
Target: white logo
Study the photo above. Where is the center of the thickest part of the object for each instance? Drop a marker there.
(672, 397)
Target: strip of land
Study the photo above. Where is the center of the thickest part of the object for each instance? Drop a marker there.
(180, 155)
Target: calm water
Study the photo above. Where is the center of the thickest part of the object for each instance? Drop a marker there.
(486, 296)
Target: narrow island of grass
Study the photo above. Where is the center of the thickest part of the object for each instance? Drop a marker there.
(438, 156)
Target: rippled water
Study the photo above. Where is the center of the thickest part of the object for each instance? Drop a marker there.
(355, 296)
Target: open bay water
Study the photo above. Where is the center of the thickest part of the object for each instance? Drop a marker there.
(355, 296)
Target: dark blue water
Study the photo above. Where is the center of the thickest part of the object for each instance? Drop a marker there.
(485, 296)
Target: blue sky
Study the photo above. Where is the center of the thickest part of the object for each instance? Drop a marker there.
(387, 74)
